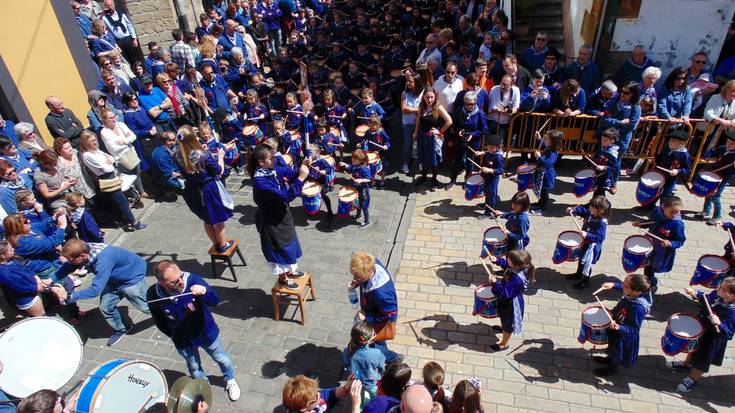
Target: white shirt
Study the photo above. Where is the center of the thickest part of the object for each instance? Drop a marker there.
(117, 140)
(447, 92)
(98, 162)
(511, 100)
(425, 55)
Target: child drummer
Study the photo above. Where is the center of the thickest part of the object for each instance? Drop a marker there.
(607, 161)
(673, 162)
(593, 231)
(376, 140)
(322, 171)
(724, 157)
(493, 166)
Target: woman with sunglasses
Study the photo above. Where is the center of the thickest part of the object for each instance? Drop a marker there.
(675, 97)
(622, 113)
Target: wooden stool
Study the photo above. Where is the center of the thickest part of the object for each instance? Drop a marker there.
(226, 257)
(281, 294)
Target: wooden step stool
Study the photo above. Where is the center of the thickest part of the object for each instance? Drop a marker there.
(281, 294)
(226, 257)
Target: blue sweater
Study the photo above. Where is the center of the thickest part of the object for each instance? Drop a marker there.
(138, 121)
(538, 103)
(187, 320)
(517, 226)
(115, 268)
(39, 250)
(378, 298)
(474, 125)
(18, 283)
(164, 162)
(588, 76)
(367, 363)
(548, 160)
(674, 104)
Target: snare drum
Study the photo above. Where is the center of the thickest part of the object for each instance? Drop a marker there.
(474, 187)
(486, 304)
(122, 386)
(361, 130)
(636, 250)
(595, 326)
(567, 247)
(706, 183)
(38, 353)
(253, 135)
(347, 200)
(375, 163)
(682, 334)
(288, 159)
(584, 182)
(710, 271)
(311, 197)
(495, 241)
(295, 134)
(334, 130)
(649, 187)
(525, 177)
(332, 174)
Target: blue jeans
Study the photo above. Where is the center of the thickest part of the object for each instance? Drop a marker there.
(715, 200)
(407, 142)
(174, 182)
(110, 297)
(122, 203)
(218, 354)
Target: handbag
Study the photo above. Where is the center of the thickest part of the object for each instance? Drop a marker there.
(384, 331)
(129, 159)
(110, 185)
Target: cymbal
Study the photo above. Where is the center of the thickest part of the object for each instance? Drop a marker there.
(194, 391)
(175, 392)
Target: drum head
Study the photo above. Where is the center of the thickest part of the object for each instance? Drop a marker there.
(570, 238)
(484, 292)
(685, 325)
(475, 179)
(250, 129)
(638, 244)
(652, 179)
(595, 317)
(710, 176)
(526, 169)
(584, 174)
(38, 353)
(335, 131)
(495, 235)
(311, 188)
(135, 384)
(373, 157)
(714, 263)
(347, 194)
(361, 130)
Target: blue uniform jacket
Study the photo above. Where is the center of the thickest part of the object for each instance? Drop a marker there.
(495, 161)
(668, 229)
(676, 159)
(228, 44)
(547, 160)
(629, 313)
(295, 120)
(216, 93)
(725, 312)
(609, 159)
(186, 320)
(365, 111)
(321, 164)
(518, 225)
(378, 299)
(327, 143)
(164, 162)
(615, 113)
(360, 172)
(18, 283)
(474, 125)
(596, 229)
(379, 137)
(88, 230)
(41, 222)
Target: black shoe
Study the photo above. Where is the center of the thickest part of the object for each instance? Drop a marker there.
(289, 283)
(605, 371)
(602, 359)
(419, 181)
(497, 329)
(573, 277)
(358, 214)
(498, 347)
(582, 284)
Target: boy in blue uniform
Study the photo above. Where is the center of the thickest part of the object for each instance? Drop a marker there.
(82, 220)
(546, 161)
(518, 223)
(719, 328)
(607, 162)
(493, 167)
(675, 158)
(628, 316)
(361, 177)
(231, 138)
(325, 140)
(376, 140)
(723, 156)
(322, 170)
(594, 230)
(664, 223)
(367, 107)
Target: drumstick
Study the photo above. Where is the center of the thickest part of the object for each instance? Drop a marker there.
(294, 111)
(335, 116)
(575, 220)
(475, 163)
(668, 171)
(539, 133)
(709, 310)
(502, 228)
(493, 210)
(378, 145)
(169, 298)
(609, 317)
(599, 290)
(732, 243)
(591, 161)
(651, 235)
(362, 117)
(151, 396)
(723, 168)
(489, 273)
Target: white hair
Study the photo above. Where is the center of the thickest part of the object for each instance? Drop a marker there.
(22, 128)
(651, 71)
(609, 85)
(236, 51)
(436, 60)
(470, 96)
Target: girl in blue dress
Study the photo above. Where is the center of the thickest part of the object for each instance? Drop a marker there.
(278, 239)
(593, 232)
(204, 193)
(546, 164)
(518, 271)
(361, 178)
(518, 223)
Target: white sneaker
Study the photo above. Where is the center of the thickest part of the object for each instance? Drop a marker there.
(233, 390)
(686, 385)
(77, 282)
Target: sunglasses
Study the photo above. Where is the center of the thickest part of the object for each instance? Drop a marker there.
(541, 39)
(550, 58)
(701, 62)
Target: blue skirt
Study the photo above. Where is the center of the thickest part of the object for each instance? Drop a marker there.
(204, 201)
(286, 255)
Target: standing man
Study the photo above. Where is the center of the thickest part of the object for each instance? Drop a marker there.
(519, 76)
(118, 273)
(448, 86)
(62, 122)
(188, 321)
(230, 38)
(431, 51)
(584, 70)
(122, 29)
(181, 52)
(533, 57)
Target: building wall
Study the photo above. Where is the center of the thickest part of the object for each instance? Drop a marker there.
(154, 19)
(673, 30)
(38, 61)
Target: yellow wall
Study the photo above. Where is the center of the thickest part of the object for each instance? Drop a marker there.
(36, 54)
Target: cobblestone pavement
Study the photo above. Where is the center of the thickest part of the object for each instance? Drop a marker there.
(547, 369)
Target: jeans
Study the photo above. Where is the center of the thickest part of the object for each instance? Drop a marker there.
(174, 182)
(274, 41)
(111, 297)
(363, 202)
(122, 203)
(407, 142)
(715, 200)
(218, 354)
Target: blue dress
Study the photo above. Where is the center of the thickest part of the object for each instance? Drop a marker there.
(203, 188)
(712, 345)
(662, 259)
(509, 291)
(623, 344)
(517, 226)
(278, 239)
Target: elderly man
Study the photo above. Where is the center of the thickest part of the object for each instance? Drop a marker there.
(533, 57)
(239, 72)
(62, 122)
(230, 38)
(180, 308)
(122, 29)
(155, 101)
(584, 70)
(416, 399)
(632, 69)
(118, 273)
(431, 51)
(448, 86)
(378, 300)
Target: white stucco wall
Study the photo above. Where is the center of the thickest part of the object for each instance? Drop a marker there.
(576, 12)
(673, 30)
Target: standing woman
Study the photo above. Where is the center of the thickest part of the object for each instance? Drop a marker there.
(410, 100)
(204, 193)
(274, 222)
(433, 120)
(119, 139)
(69, 166)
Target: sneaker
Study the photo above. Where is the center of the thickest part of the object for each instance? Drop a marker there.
(405, 168)
(581, 285)
(297, 274)
(713, 221)
(482, 217)
(289, 283)
(76, 281)
(686, 385)
(498, 347)
(224, 248)
(239, 171)
(449, 186)
(138, 226)
(116, 336)
(80, 272)
(364, 224)
(678, 365)
(233, 390)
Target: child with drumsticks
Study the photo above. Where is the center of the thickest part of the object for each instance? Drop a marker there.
(719, 327)
(325, 140)
(547, 160)
(593, 231)
(518, 271)
(376, 140)
(322, 171)
(673, 162)
(492, 166)
(725, 166)
(606, 163)
(667, 230)
(361, 176)
(625, 327)
(518, 224)
(367, 107)
(289, 144)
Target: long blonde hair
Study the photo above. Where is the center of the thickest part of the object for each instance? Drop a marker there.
(190, 149)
